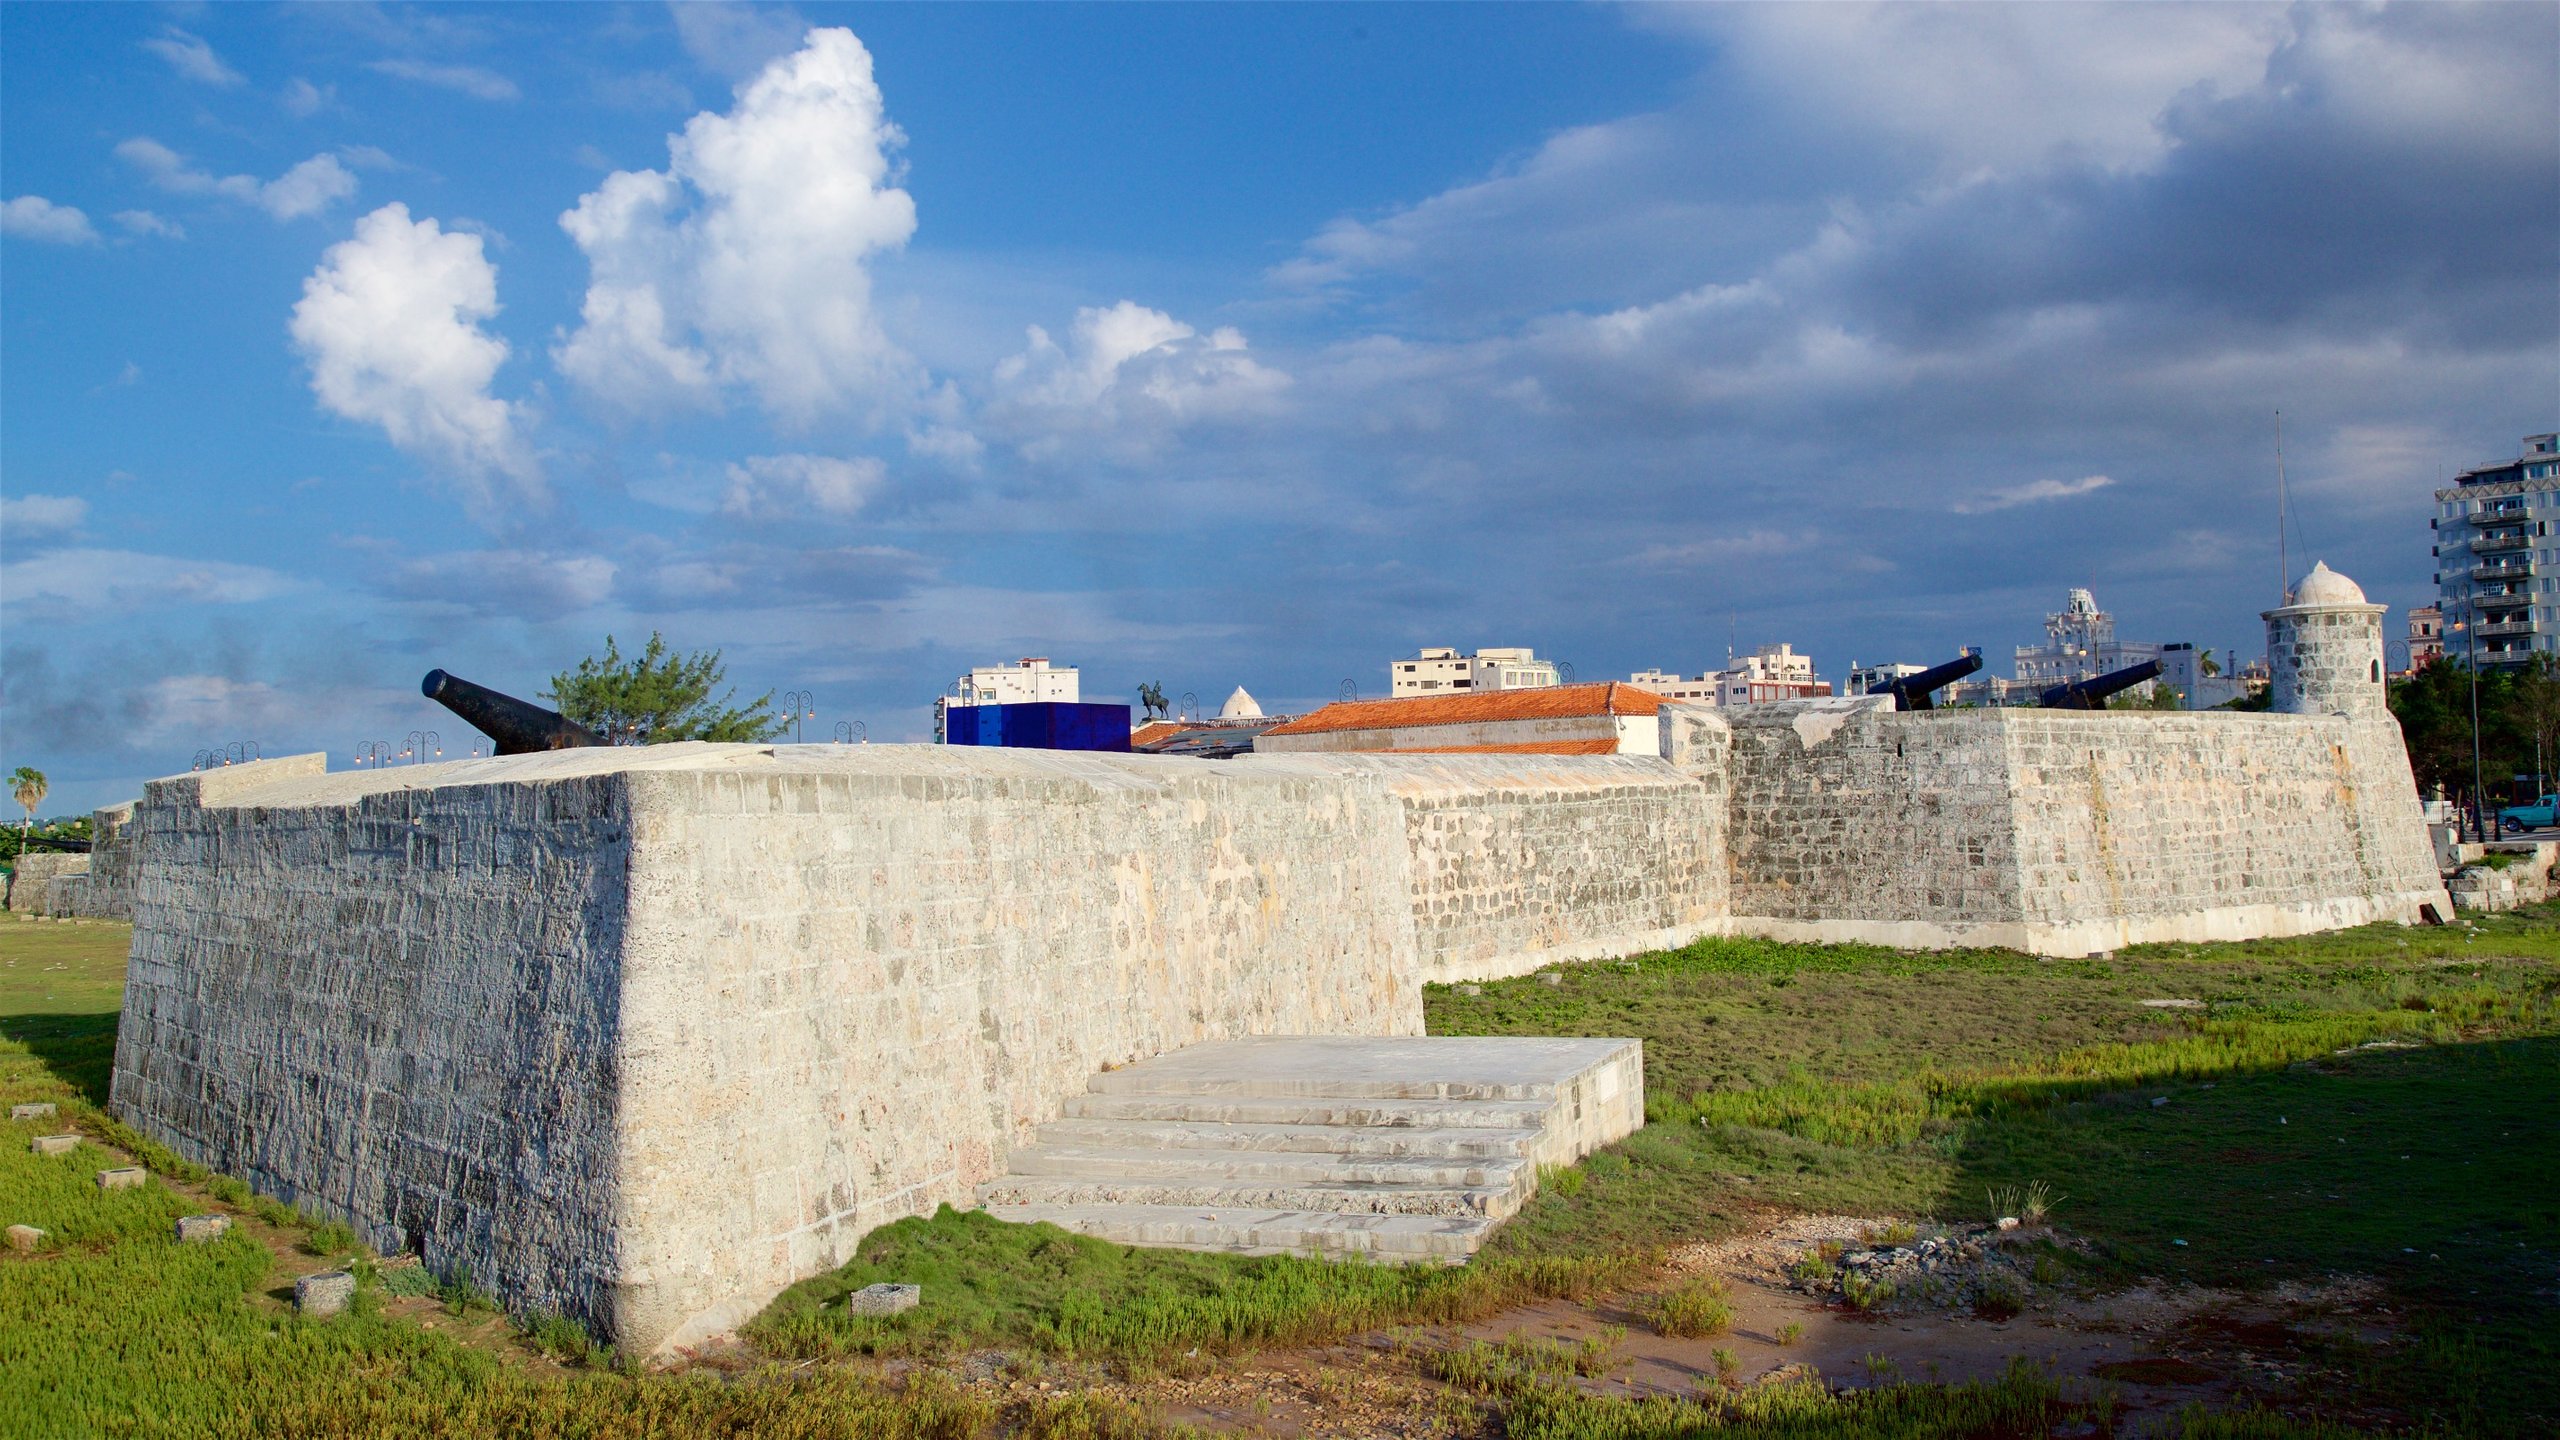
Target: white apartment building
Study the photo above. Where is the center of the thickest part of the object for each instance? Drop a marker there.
(2497, 558)
(1027, 680)
(1440, 670)
(1688, 689)
(1772, 672)
(1863, 679)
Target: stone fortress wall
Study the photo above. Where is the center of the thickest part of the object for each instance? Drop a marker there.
(641, 1036)
(2068, 832)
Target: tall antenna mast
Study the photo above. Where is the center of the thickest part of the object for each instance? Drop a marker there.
(2284, 560)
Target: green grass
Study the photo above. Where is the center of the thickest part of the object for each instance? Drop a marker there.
(1779, 1076)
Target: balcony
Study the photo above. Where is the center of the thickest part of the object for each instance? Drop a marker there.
(2511, 514)
(2494, 544)
(2504, 570)
(2500, 629)
(2492, 600)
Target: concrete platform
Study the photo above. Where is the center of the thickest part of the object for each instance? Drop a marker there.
(1395, 1149)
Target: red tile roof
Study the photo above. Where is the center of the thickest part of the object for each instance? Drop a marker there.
(1153, 731)
(1605, 745)
(1555, 702)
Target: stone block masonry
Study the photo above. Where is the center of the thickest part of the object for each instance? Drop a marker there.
(2065, 832)
(639, 1037)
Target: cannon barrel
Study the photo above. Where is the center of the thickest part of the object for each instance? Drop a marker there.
(2092, 693)
(516, 727)
(1918, 692)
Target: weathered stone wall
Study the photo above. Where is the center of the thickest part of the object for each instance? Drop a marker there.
(104, 891)
(643, 1036)
(858, 976)
(395, 1006)
(1522, 861)
(37, 874)
(2067, 832)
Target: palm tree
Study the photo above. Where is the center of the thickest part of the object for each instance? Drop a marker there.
(27, 785)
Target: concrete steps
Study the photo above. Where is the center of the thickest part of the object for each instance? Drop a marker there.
(1408, 1149)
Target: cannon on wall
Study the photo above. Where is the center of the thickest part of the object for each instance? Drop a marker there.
(2092, 693)
(1919, 692)
(515, 727)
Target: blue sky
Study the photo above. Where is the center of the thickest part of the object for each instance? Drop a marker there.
(1213, 345)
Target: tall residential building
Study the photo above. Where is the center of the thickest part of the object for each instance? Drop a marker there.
(2497, 561)
(1030, 680)
(1439, 670)
(2079, 644)
(1772, 672)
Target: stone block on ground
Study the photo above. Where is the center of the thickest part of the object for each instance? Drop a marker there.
(320, 1296)
(197, 1229)
(1550, 977)
(33, 1110)
(884, 1299)
(25, 1237)
(126, 1177)
(54, 1144)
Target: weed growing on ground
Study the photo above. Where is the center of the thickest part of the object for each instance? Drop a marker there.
(1864, 1292)
(1693, 1309)
(1790, 1333)
(1564, 1180)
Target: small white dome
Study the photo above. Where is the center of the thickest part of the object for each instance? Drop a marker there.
(2324, 586)
(1240, 706)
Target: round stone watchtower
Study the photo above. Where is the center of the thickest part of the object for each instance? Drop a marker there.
(2324, 645)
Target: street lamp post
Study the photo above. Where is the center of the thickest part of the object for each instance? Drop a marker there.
(376, 753)
(798, 705)
(420, 742)
(852, 732)
(2469, 625)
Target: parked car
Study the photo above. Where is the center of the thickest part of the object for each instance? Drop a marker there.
(2542, 814)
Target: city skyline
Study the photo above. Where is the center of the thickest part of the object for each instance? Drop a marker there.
(1217, 346)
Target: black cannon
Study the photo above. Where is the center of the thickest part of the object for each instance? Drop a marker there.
(2091, 694)
(515, 726)
(1918, 692)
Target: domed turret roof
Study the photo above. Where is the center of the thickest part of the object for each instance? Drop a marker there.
(1241, 706)
(2324, 586)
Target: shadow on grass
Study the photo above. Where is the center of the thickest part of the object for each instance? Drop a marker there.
(77, 1050)
(2429, 1169)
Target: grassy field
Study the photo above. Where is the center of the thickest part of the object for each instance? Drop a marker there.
(2376, 1103)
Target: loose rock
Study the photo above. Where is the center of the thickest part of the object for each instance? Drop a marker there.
(32, 1110)
(884, 1299)
(54, 1144)
(320, 1296)
(125, 1178)
(25, 1237)
(197, 1229)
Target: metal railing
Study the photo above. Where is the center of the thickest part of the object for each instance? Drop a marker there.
(2497, 515)
(2504, 570)
(2493, 544)
(2493, 601)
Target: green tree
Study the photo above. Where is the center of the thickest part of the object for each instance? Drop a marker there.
(2162, 697)
(2536, 704)
(658, 696)
(27, 786)
(2434, 710)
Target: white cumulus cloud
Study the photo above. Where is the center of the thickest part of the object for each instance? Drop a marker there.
(2031, 492)
(391, 326)
(23, 517)
(767, 486)
(33, 217)
(521, 583)
(143, 222)
(471, 80)
(306, 189)
(192, 57)
(742, 263)
(93, 584)
(1130, 369)
(302, 99)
